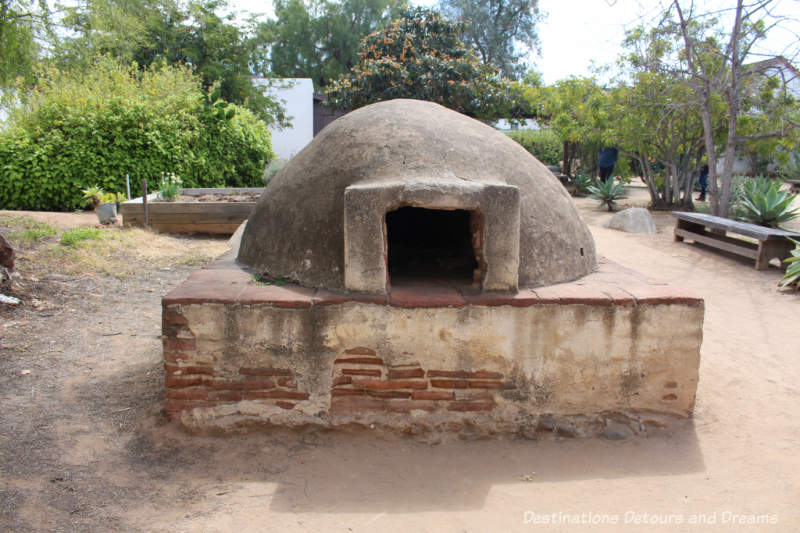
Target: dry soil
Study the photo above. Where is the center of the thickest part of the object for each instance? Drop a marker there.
(84, 445)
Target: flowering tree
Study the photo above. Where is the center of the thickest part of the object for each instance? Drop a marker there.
(420, 56)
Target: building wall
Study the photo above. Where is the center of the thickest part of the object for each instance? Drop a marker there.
(297, 97)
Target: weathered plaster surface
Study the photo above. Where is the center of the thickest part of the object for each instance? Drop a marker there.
(434, 155)
(240, 354)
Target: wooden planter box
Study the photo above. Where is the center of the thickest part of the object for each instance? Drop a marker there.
(190, 217)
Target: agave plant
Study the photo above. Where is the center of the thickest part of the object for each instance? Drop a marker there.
(608, 192)
(792, 276)
(769, 208)
(757, 185)
(582, 182)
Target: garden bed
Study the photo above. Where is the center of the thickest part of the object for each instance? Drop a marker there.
(217, 211)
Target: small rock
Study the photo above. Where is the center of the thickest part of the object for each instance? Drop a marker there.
(546, 423)
(617, 433)
(633, 220)
(567, 430)
(10, 300)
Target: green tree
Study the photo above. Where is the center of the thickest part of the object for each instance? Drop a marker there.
(421, 56)
(321, 40)
(576, 109)
(652, 118)
(151, 31)
(715, 54)
(21, 23)
(502, 32)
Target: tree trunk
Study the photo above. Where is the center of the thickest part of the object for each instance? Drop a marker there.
(7, 253)
(732, 96)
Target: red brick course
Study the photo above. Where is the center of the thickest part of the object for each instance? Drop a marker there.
(406, 373)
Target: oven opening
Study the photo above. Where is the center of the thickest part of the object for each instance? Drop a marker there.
(433, 245)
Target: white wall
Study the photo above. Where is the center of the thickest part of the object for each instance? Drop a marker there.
(505, 125)
(296, 95)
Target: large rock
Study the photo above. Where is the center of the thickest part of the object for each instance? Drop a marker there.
(321, 219)
(632, 220)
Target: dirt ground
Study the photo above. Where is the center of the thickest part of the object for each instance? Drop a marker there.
(84, 445)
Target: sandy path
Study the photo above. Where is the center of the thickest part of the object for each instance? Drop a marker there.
(83, 448)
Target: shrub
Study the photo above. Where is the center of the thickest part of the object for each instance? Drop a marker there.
(768, 208)
(544, 145)
(608, 192)
(792, 276)
(582, 182)
(78, 130)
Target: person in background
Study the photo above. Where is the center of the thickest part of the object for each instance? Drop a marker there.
(703, 181)
(606, 162)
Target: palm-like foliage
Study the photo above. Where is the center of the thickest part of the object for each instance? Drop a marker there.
(769, 208)
(792, 276)
(757, 185)
(608, 192)
(582, 182)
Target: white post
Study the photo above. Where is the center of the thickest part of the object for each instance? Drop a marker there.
(128, 184)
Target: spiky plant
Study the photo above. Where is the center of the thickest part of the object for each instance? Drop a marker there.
(770, 208)
(608, 192)
(93, 194)
(582, 182)
(792, 276)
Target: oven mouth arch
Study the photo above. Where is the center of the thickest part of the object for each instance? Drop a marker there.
(494, 223)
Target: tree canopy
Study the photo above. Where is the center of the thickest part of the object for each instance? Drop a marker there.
(152, 31)
(321, 41)
(501, 32)
(421, 56)
(21, 23)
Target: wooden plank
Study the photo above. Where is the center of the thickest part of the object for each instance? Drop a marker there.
(733, 226)
(218, 229)
(158, 208)
(736, 246)
(229, 190)
(189, 218)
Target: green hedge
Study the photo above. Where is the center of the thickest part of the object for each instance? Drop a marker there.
(78, 131)
(544, 145)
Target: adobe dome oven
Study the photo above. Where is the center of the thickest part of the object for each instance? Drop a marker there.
(429, 275)
(412, 187)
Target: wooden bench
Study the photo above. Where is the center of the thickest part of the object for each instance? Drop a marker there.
(771, 242)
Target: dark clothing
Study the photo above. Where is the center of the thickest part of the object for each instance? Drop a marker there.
(703, 181)
(608, 157)
(606, 162)
(605, 172)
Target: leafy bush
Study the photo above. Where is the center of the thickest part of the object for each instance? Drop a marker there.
(77, 130)
(608, 192)
(769, 208)
(544, 145)
(792, 276)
